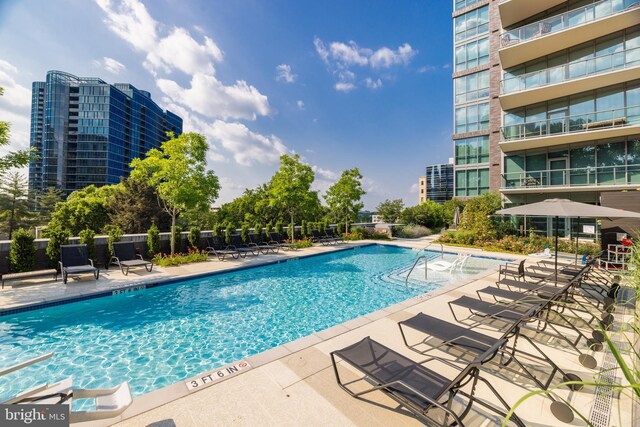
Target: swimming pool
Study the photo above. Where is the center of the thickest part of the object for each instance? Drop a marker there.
(165, 334)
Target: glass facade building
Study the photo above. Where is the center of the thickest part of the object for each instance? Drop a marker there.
(85, 131)
(439, 182)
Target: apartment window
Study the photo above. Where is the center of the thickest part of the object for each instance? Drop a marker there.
(471, 118)
(472, 182)
(471, 24)
(472, 87)
(461, 4)
(472, 150)
(472, 54)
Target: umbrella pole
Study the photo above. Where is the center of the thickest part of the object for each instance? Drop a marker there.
(556, 275)
(577, 239)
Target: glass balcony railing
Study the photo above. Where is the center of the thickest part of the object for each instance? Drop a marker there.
(572, 18)
(573, 177)
(603, 119)
(574, 70)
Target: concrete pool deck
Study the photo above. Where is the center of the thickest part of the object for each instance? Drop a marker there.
(294, 384)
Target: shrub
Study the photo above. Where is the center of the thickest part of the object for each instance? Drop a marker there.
(291, 229)
(177, 237)
(180, 258)
(194, 237)
(301, 244)
(476, 216)
(228, 232)
(153, 240)
(505, 228)
(267, 230)
(87, 237)
(257, 228)
(114, 234)
(217, 230)
(279, 227)
(244, 232)
(22, 255)
(412, 232)
(340, 228)
(57, 236)
(354, 235)
(304, 232)
(323, 226)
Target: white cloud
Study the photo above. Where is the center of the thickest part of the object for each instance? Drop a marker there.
(341, 58)
(283, 73)
(4, 65)
(373, 84)
(131, 21)
(248, 148)
(426, 68)
(15, 94)
(385, 57)
(325, 173)
(15, 107)
(300, 105)
(413, 188)
(344, 87)
(111, 65)
(209, 97)
(181, 51)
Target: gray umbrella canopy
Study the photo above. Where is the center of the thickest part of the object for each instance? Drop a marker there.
(564, 208)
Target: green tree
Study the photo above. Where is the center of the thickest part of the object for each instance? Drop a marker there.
(114, 234)
(178, 172)
(12, 159)
(476, 216)
(46, 203)
(428, 214)
(153, 240)
(22, 255)
(134, 205)
(390, 210)
(218, 230)
(257, 228)
(344, 196)
(228, 231)
(14, 204)
(88, 237)
(290, 187)
(244, 232)
(86, 208)
(450, 207)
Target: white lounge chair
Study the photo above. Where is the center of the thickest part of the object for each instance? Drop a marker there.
(442, 265)
(544, 254)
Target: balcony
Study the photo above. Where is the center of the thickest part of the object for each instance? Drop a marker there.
(571, 129)
(576, 179)
(568, 79)
(567, 29)
(512, 11)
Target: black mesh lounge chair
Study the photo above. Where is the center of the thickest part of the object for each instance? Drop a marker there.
(125, 257)
(474, 343)
(420, 389)
(238, 245)
(331, 234)
(518, 271)
(74, 259)
(276, 240)
(324, 241)
(216, 247)
(265, 248)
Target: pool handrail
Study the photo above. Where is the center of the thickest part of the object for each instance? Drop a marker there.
(441, 248)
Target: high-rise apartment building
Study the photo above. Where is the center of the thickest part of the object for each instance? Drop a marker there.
(439, 182)
(547, 98)
(85, 131)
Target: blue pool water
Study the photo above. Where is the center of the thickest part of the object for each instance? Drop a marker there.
(165, 334)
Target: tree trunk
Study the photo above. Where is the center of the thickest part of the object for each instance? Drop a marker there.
(293, 229)
(173, 231)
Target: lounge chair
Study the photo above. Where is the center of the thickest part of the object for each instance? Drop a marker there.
(324, 241)
(109, 403)
(74, 259)
(265, 248)
(332, 234)
(518, 271)
(442, 265)
(238, 245)
(474, 343)
(216, 246)
(125, 257)
(418, 388)
(276, 240)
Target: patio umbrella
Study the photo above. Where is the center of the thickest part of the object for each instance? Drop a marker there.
(456, 217)
(563, 208)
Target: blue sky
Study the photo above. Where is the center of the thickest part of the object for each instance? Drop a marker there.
(345, 84)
